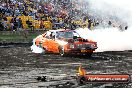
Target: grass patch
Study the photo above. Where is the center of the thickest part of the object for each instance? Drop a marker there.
(5, 37)
(17, 38)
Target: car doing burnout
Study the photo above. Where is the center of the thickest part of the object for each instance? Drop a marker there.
(64, 42)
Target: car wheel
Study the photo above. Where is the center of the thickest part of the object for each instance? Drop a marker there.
(62, 51)
(45, 51)
(35, 43)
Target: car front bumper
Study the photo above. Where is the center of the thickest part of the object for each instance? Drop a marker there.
(79, 51)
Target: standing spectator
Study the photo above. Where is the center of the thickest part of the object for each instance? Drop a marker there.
(12, 24)
(19, 21)
(126, 27)
(89, 24)
(30, 25)
(42, 24)
(4, 23)
(15, 24)
(1, 26)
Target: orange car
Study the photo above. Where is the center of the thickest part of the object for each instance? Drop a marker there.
(64, 42)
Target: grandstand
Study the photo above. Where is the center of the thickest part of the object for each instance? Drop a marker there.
(46, 14)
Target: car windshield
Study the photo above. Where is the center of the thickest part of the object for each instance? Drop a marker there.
(66, 35)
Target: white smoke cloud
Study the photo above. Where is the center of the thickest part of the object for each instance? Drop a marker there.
(110, 39)
(36, 49)
(118, 8)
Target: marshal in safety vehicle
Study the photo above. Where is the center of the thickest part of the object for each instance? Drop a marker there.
(65, 42)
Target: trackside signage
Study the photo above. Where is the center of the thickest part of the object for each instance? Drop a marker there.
(103, 78)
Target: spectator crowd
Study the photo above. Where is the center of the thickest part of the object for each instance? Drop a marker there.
(27, 14)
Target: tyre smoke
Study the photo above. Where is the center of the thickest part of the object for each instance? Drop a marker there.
(36, 49)
(110, 38)
(120, 10)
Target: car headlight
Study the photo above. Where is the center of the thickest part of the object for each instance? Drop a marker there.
(72, 46)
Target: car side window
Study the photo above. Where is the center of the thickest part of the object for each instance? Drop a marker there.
(48, 35)
(52, 35)
(60, 35)
(57, 34)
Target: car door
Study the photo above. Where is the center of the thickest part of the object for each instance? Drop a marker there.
(53, 45)
(46, 41)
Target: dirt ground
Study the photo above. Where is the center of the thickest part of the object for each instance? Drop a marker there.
(19, 68)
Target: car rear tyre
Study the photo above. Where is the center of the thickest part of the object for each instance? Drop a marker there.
(45, 51)
(62, 51)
